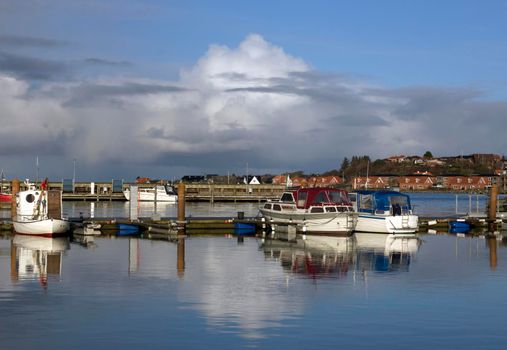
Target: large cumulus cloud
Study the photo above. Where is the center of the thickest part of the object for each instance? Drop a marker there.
(254, 103)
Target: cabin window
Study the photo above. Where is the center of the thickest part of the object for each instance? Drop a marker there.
(317, 210)
(338, 197)
(330, 210)
(400, 200)
(267, 206)
(287, 197)
(366, 201)
(321, 198)
(302, 199)
(277, 207)
(30, 198)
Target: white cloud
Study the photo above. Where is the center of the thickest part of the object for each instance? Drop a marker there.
(254, 101)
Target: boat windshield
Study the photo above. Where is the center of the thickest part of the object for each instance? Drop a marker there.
(338, 197)
(401, 200)
(287, 197)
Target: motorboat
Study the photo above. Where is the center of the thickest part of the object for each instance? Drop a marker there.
(159, 193)
(383, 212)
(312, 211)
(39, 213)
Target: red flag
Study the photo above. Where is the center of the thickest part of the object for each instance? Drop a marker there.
(44, 184)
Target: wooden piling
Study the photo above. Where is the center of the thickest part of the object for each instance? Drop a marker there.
(492, 207)
(181, 207)
(14, 191)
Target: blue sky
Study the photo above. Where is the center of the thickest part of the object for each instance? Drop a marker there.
(285, 85)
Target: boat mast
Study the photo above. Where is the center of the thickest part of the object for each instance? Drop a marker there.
(367, 171)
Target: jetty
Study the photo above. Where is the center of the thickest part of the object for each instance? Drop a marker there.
(195, 192)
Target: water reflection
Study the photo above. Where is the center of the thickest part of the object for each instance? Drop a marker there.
(314, 257)
(385, 252)
(325, 256)
(36, 258)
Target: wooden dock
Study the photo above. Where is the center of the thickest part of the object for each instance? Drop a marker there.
(109, 191)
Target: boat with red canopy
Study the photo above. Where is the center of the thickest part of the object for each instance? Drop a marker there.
(316, 210)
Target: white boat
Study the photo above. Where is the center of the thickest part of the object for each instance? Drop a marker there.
(383, 212)
(314, 211)
(39, 213)
(158, 193)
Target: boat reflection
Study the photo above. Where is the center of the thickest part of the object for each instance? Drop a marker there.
(36, 258)
(325, 256)
(385, 252)
(315, 257)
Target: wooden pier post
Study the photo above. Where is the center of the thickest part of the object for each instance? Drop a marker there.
(181, 208)
(492, 207)
(14, 191)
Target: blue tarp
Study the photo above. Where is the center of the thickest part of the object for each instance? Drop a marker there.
(381, 200)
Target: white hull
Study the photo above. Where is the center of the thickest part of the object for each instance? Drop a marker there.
(387, 224)
(144, 196)
(45, 228)
(313, 223)
(41, 243)
(388, 243)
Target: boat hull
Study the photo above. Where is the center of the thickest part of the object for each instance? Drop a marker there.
(150, 197)
(387, 224)
(5, 198)
(42, 228)
(341, 224)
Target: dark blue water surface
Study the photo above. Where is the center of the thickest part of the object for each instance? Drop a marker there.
(445, 292)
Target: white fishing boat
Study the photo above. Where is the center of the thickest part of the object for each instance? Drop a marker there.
(158, 193)
(39, 212)
(314, 211)
(383, 212)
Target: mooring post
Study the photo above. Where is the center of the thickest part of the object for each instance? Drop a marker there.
(14, 191)
(181, 207)
(492, 208)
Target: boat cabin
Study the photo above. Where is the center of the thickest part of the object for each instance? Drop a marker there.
(381, 202)
(315, 200)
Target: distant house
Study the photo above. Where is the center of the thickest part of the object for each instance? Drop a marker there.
(467, 183)
(434, 162)
(251, 180)
(415, 159)
(324, 181)
(371, 182)
(416, 182)
(396, 159)
(192, 178)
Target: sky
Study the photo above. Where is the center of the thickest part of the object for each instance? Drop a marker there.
(119, 89)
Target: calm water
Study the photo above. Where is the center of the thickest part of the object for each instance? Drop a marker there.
(427, 204)
(217, 293)
(437, 291)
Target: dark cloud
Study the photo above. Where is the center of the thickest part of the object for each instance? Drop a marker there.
(31, 68)
(360, 121)
(107, 63)
(13, 41)
(84, 94)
